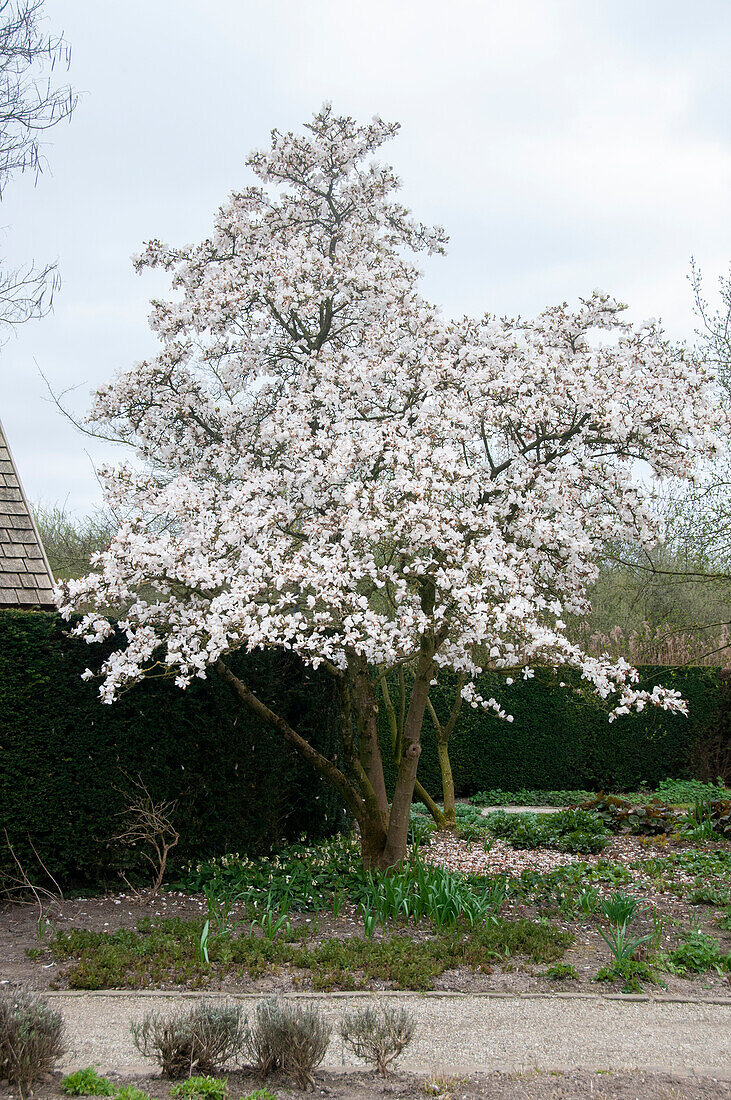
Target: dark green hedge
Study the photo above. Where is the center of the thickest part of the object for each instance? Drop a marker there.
(63, 754)
(561, 739)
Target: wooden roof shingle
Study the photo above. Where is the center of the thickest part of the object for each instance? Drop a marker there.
(26, 581)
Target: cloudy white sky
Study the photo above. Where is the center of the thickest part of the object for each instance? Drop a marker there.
(565, 145)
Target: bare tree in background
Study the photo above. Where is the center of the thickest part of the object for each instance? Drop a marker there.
(70, 541)
(30, 104)
(673, 605)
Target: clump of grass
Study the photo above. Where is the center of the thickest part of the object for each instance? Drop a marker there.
(31, 1038)
(203, 1039)
(87, 1082)
(378, 1036)
(291, 1038)
(619, 909)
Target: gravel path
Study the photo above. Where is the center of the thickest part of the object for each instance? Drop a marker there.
(460, 1032)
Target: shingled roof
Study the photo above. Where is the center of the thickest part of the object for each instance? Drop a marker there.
(25, 575)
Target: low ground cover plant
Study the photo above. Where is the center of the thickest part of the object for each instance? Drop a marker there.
(203, 1039)
(561, 972)
(31, 1038)
(697, 953)
(167, 950)
(298, 878)
(378, 1035)
(691, 790)
(87, 1082)
(202, 1087)
(565, 831)
(131, 1092)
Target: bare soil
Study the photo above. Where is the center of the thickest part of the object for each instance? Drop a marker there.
(535, 1085)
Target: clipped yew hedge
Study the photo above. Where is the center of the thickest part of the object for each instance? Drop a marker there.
(561, 737)
(64, 755)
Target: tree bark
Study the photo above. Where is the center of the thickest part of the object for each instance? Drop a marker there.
(384, 834)
(445, 766)
(398, 828)
(396, 728)
(359, 797)
(366, 711)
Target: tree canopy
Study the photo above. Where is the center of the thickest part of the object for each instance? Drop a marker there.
(326, 464)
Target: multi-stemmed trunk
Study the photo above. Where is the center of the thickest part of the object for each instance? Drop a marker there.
(384, 829)
(445, 817)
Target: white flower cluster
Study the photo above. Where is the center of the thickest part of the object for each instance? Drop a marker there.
(326, 464)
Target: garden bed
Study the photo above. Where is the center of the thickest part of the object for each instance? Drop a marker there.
(544, 935)
(534, 1085)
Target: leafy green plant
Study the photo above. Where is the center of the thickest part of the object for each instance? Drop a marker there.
(697, 953)
(648, 819)
(292, 1038)
(691, 790)
(298, 878)
(633, 972)
(588, 900)
(370, 920)
(709, 895)
(622, 945)
(378, 1036)
(260, 1094)
(566, 831)
(560, 972)
(130, 1092)
(271, 923)
(421, 891)
(202, 1039)
(87, 1082)
(201, 1088)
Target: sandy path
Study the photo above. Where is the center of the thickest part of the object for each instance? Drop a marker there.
(460, 1032)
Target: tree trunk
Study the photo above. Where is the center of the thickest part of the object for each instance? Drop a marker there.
(450, 817)
(384, 835)
(398, 827)
(431, 805)
(365, 705)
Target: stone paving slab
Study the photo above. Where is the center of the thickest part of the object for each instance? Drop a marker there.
(523, 809)
(457, 1033)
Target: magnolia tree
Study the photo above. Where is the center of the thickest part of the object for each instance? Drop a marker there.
(324, 464)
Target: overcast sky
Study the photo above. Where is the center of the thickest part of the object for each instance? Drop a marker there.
(564, 145)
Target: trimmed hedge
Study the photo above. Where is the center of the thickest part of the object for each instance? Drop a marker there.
(562, 738)
(64, 754)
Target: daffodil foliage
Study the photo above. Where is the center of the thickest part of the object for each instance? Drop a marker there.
(325, 463)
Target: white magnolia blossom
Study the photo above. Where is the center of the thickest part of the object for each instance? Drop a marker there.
(326, 464)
